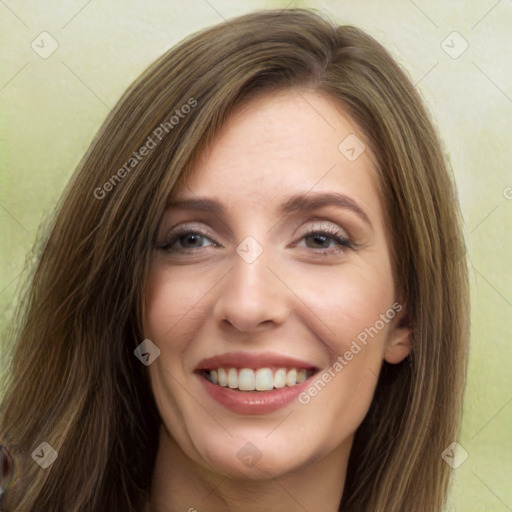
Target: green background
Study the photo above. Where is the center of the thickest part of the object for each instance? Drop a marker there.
(52, 107)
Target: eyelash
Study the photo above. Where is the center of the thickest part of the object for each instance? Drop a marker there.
(330, 233)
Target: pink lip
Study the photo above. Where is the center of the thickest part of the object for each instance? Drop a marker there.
(253, 360)
(253, 402)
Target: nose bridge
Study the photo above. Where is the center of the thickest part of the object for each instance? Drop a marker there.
(251, 294)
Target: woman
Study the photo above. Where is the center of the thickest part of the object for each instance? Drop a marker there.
(307, 351)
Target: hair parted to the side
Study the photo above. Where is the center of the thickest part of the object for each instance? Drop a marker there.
(75, 382)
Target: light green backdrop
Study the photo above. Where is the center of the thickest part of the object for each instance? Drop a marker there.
(53, 103)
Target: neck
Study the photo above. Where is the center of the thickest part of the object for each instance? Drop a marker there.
(180, 484)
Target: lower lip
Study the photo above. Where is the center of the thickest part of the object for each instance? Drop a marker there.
(253, 402)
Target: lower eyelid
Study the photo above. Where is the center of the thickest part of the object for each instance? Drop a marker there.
(338, 236)
(173, 238)
(342, 241)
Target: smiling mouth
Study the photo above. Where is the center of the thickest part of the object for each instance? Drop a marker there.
(261, 379)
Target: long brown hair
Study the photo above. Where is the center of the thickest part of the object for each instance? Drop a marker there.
(75, 382)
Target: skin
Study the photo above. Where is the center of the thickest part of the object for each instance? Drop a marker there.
(292, 299)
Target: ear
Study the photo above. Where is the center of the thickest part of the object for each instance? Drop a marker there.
(399, 343)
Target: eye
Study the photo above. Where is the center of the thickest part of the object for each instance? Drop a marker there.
(324, 240)
(186, 240)
(327, 240)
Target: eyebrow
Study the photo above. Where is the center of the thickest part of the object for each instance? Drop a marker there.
(299, 202)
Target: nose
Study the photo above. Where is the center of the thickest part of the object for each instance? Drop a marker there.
(252, 296)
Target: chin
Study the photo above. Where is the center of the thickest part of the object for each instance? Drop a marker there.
(247, 461)
(260, 454)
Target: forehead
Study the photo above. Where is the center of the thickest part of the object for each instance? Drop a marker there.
(284, 143)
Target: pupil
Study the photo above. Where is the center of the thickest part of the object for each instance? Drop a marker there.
(320, 239)
(192, 239)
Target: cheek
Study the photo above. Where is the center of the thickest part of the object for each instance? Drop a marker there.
(351, 302)
(340, 402)
(173, 308)
(352, 306)
(175, 312)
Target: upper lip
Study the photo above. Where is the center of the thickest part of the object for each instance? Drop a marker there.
(253, 360)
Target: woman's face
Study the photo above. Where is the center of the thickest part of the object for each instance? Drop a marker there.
(273, 272)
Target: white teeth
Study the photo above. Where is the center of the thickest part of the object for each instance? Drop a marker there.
(232, 378)
(280, 378)
(262, 379)
(222, 376)
(246, 380)
(291, 378)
